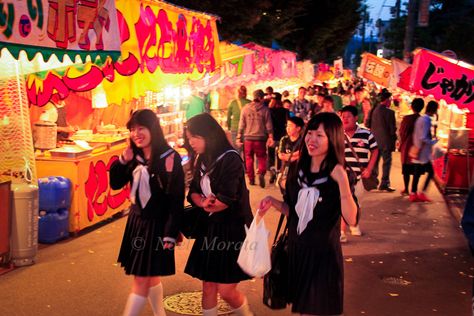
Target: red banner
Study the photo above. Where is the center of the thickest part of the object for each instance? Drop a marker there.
(444, 78)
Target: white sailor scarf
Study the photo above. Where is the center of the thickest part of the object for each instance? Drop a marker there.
(205, 182)
(141, 180)
(308, 198)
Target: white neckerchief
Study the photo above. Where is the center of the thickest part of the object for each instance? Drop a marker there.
(141, 181)
(205, 180)
(308, 197)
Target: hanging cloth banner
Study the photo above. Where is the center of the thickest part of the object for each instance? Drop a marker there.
(162, 45)
(60, 27)
(375, 69)
(443, 77)
(272, 64)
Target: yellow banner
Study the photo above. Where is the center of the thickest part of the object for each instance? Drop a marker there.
(162, 45)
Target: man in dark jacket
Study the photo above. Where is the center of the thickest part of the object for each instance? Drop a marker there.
(383, 126)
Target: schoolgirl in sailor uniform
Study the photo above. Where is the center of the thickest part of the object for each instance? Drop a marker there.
(218, 186)
(317, 194)
(156, 178)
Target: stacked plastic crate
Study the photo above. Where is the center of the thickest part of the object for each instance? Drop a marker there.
(54, 206)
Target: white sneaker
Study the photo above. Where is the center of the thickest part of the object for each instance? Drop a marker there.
(343, 237)
(355, 230)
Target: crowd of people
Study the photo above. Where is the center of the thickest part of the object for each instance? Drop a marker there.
(319, 148)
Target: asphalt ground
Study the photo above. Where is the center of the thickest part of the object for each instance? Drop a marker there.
(411, 260)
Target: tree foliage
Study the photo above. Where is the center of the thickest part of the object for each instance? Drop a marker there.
(450, 24)
(316, 30)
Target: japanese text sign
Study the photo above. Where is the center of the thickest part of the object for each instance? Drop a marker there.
(176, 40)
(375, 69)
(61, 25)
(444, 78)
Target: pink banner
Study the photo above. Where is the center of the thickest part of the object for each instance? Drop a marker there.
(444, 78)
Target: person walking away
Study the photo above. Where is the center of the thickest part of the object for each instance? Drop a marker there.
(382, 125)
(407, 127)
(196, 105)
(218, 187)
(288, 149)
(156, 177)
(423, 139)
(318, 194)
(279, 116)
(363, 143)
(255, 133)
(233, 112)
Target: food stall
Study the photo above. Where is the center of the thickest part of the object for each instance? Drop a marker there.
(100, 89)
(449, 81)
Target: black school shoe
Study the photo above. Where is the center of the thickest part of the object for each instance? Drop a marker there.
(386, 188)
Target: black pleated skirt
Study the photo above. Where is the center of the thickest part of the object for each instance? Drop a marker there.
(316, 279)
(213, 257)
(142, 252)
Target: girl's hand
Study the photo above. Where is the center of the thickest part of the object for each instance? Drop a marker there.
(127, 154)
(208, 203)
(265, 205)
(339, 173)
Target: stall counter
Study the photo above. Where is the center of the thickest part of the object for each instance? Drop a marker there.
(92, 198)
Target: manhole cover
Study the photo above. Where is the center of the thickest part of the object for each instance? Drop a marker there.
(189, 303)
(395, 281)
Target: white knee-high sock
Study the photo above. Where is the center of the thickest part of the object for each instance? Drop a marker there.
(155, 297)
(134, 305)
(244, 309)
(210, 312)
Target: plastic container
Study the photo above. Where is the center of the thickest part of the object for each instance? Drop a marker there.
(54, 194)
(44, 135)
(24, 224)
(53, 227)
(5, 221)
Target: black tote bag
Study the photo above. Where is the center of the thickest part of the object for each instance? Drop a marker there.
(275, 282)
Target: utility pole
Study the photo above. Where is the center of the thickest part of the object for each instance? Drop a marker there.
(398, 6)
(364, 19)
(409, 31)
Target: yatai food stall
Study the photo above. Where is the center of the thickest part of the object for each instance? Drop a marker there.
(101, 92)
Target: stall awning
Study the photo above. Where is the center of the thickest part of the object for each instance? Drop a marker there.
(86, 29)
(231, 51)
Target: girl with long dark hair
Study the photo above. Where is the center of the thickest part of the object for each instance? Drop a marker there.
(218, 187)
(317, 195)
(154, 171)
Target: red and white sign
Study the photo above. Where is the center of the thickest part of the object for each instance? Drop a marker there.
(443, 77)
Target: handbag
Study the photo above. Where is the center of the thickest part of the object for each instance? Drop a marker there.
(193, 222)
(369, 183)
(275, 282)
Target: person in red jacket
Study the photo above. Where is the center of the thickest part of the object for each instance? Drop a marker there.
(406, 141)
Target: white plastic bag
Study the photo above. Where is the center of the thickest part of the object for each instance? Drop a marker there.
(254, 256)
